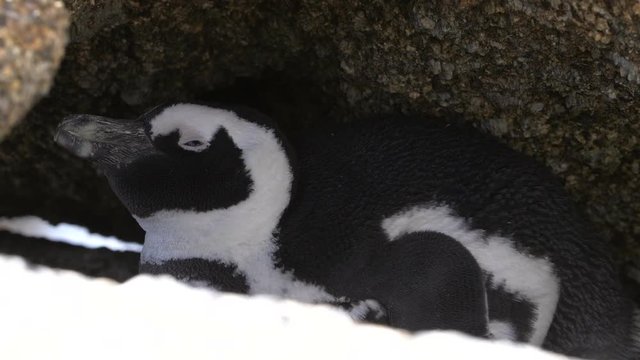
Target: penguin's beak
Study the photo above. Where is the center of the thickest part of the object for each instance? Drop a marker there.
(77, 133)
(103, 140)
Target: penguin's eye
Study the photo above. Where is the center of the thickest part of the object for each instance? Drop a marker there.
(193, 143)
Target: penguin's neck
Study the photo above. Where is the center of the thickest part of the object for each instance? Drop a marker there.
(241, 235)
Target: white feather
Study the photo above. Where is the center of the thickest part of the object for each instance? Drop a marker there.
(361, 309)
(502, 330)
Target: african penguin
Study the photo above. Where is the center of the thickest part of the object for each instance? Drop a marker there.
(411, 223)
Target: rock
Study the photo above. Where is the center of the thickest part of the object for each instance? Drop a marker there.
(69, 316)
(557, 80)
(33, 34)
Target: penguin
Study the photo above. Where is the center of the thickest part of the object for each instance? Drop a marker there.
(410, 223)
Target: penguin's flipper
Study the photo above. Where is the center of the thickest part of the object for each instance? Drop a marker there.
(428, 280)
(201, 272)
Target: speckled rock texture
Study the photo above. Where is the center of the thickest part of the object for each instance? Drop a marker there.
(33, 34)
(556, 79)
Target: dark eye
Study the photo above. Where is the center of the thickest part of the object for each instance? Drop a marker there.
(193, 143)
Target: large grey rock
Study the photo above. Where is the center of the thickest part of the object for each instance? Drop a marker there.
(33, 34)
(555, 79)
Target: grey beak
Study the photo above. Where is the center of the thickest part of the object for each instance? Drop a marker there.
(76, 133)
(103, 140)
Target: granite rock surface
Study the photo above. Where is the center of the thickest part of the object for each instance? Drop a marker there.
(33, 34)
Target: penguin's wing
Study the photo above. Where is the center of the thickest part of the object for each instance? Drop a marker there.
(428, 280)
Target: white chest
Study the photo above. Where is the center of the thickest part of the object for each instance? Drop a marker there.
(219, 236)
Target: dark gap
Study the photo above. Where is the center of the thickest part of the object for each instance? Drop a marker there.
(294, 103)
(101, 262)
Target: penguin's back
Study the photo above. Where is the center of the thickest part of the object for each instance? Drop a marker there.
(352, 178)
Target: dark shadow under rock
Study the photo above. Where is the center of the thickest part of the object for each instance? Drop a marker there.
(101, 262)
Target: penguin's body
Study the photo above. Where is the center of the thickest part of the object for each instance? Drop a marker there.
(416, 224)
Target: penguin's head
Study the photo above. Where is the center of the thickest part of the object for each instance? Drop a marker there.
(181, 157)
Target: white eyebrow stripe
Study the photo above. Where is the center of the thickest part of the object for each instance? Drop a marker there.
(189, 120)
